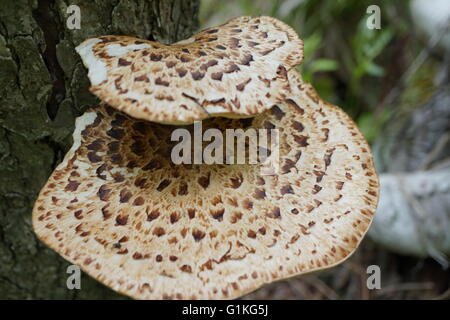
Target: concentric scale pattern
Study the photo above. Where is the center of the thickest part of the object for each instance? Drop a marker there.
(121, 210)
(235, 70)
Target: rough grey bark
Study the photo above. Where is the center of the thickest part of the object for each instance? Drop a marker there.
(43, 88)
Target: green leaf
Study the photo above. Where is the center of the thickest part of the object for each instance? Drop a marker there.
(373, 48)
(311, 44)
(321, 65)
(374, 70)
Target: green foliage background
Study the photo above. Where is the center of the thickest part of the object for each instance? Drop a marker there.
(350, 65)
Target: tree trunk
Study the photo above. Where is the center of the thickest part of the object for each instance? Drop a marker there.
(43, 88)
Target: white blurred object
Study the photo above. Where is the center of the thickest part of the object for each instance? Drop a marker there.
(433, 18)
(412, 214)
(412, 155)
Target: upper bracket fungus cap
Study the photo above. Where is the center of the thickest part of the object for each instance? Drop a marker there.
(238, 69)
(121, 210)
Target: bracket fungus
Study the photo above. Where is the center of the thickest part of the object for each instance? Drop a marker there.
(235, 70)
(121, 210)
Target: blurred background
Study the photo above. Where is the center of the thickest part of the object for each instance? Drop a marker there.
(393, 81)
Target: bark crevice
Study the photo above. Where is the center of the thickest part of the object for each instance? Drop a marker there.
(46, 19)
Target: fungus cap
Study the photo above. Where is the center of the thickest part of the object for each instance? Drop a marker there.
(235, 70)
(121, 210)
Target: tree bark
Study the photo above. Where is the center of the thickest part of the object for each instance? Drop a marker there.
(43, 88)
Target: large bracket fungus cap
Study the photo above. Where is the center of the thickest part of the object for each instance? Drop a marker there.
(235, 70)
(120, 209)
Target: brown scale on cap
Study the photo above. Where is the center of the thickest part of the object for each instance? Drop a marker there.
(235, 70)
(153, 230)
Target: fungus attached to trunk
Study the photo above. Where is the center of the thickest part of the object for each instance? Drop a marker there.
(121, 210)
(235, 70)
